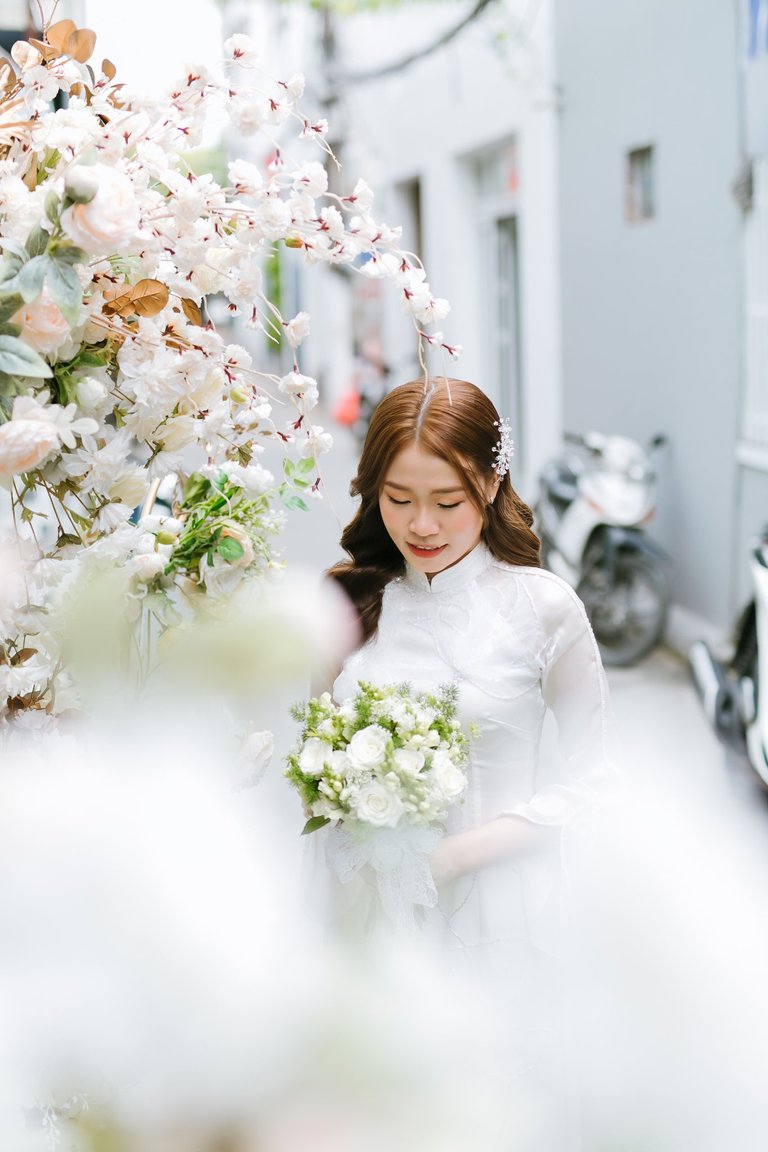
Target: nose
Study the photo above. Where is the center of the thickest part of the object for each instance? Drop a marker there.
(423, 523)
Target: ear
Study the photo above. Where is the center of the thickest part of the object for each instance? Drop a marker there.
(492, 487)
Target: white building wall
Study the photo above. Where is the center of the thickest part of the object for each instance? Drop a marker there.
(428, 123)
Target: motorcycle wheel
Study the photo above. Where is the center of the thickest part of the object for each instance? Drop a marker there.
(628, 614)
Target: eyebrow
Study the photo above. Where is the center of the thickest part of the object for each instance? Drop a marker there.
(433, 492)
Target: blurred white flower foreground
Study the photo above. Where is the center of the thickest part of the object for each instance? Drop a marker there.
(159, 977)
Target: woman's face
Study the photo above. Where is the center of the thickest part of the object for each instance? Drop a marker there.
(427, 511)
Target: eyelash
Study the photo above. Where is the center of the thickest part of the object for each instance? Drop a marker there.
(445, 507)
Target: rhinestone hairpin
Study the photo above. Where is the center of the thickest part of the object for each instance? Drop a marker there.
(505, 448)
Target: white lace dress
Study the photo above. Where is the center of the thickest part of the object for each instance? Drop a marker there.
(517, 642)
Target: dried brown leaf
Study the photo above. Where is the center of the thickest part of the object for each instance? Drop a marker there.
(7, 76)
(59, 33)
(44, 49)
(149, 297)
(23, 655)
(30, 176)
(118, 300)
(108, 69)
(192, 311)
(81, 44)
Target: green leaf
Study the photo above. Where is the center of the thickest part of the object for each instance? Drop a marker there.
(11, 385)
(70, 254)
(313, 824)
(195, 487)
(295, 502)
(288, 467)
(10, 329)
(93, 357)
(37, 241)
(230, 549)
(14, 248)
(9, 306)
(52, 206)
(306, 464)
(65, 289)
(18, 359)
(31, 278)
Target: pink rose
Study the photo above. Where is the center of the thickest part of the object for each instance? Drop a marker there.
(42, 324)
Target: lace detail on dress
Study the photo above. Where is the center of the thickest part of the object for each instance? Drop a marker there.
(394, 861)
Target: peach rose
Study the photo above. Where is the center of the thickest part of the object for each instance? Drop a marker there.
(109, 220)
(42, 324)
(24, 444)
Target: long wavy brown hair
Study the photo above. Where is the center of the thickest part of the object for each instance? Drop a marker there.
(452, 419)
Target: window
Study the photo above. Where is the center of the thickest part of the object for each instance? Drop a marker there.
(640, 190)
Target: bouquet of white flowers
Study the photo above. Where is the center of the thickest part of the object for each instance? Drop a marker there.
(383, 767)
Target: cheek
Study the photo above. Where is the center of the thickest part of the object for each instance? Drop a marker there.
(471, 522)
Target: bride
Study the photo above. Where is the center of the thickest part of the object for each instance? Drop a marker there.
(445, 575)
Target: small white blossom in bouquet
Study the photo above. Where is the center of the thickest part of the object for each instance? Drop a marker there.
(384, 768)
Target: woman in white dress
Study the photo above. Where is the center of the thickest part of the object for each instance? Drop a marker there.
(444, 572)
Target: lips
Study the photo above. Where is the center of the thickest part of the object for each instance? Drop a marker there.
(426, 553)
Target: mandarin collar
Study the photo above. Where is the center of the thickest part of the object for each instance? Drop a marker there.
(450, 579)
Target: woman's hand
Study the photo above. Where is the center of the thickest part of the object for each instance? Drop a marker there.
(499, 839)
(444, 861)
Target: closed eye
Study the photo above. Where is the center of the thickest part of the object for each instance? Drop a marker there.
(450, 505)
(398, 502)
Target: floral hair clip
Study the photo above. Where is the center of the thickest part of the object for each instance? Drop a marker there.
(504, 449)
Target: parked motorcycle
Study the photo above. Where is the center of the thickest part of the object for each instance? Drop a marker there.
(730, 688)
(594, 503)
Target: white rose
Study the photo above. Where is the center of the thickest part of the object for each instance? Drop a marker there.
(379, 806)
(340, 763)
(42, 324)
(450, 779)
(315, 756)
(220, 578)
(409, 761)
(109, 220)
(368, 747)
(90, 393)
(148, 565)
(81, 183)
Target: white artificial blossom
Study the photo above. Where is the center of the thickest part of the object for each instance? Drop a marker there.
(113, 375)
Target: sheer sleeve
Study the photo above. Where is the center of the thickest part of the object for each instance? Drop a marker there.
(574, 688)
